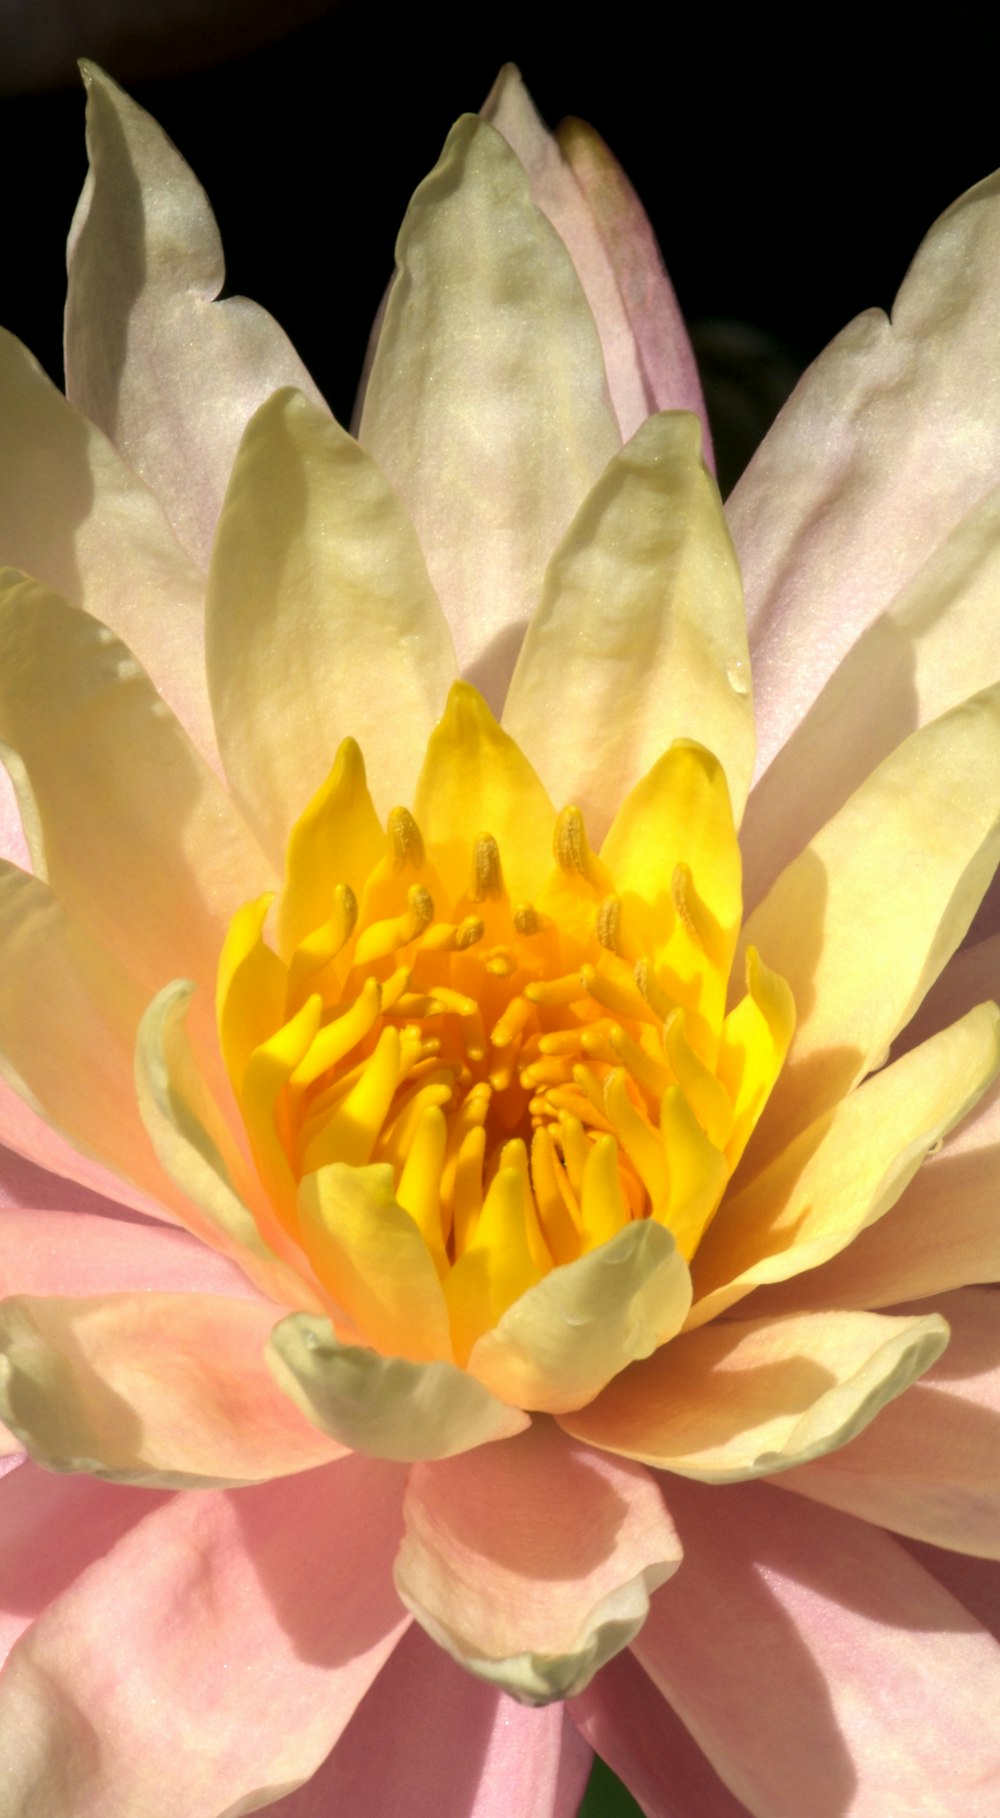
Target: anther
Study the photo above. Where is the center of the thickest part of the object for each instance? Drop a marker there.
(527, 920)
(487, 873)
(406, 842)
(572, 850)
(608, 922)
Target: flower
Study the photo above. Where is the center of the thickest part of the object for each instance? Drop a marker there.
(338, 1384)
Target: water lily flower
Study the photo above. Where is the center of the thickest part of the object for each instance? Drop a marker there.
(472, 1289)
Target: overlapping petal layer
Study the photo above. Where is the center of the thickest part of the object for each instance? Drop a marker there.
(450, 1114)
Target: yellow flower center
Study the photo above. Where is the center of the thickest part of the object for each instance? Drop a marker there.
(534, 1073)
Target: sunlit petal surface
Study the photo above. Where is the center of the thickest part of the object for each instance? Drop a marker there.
(456, 1144)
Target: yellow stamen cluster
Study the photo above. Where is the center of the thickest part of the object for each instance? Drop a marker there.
(535, 1074)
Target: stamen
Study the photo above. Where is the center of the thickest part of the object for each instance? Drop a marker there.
(636, 1136)
(511, 1022)
(554, 991)
(573, 854)
(620, 999)
(406, 842)
(449, 937)
(324, 943)
(527, 920)
(351, 1133)
(382, 938)
(487, 873)
(652, 991)
(339, 1037)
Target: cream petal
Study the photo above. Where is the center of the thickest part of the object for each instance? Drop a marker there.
(942, 1233)
(821, 1670)
(844, 1171)
(748, 1398)
(399, 1755)
(321, 620)
(210, 1660)
(385, 1406)
(570, 1333)
(197, 1151)
(927, 1467)
(486, 406)
(532, 1561)
(165, 1390)
(971, 976)
(77, 518)
(170, 374)
(639, 636)
(665, 353)
(905, 416)
(556, 191)
(138, 839)
(375, 1262)
(937, 644)
(927, 819)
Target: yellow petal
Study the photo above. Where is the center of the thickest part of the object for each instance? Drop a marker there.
(385, 1406)
(486, 406)
(337, 839)
(639, 638)
(679, 813)
(475, 781)
(321, 619)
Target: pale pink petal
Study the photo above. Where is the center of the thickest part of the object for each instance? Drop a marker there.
(889, 440)
(633, 1729)
(214, 1656)
(171, 375)
(50, 1251)
(532, 1560)
(665, 353)
(51, 1528)
(821, 1669)
(30, 1183)
(556, 191)
(927, 1466)
(68, 1019)
(430, 1741)
(973, 1582)
(13, 845)
(166, 1390)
